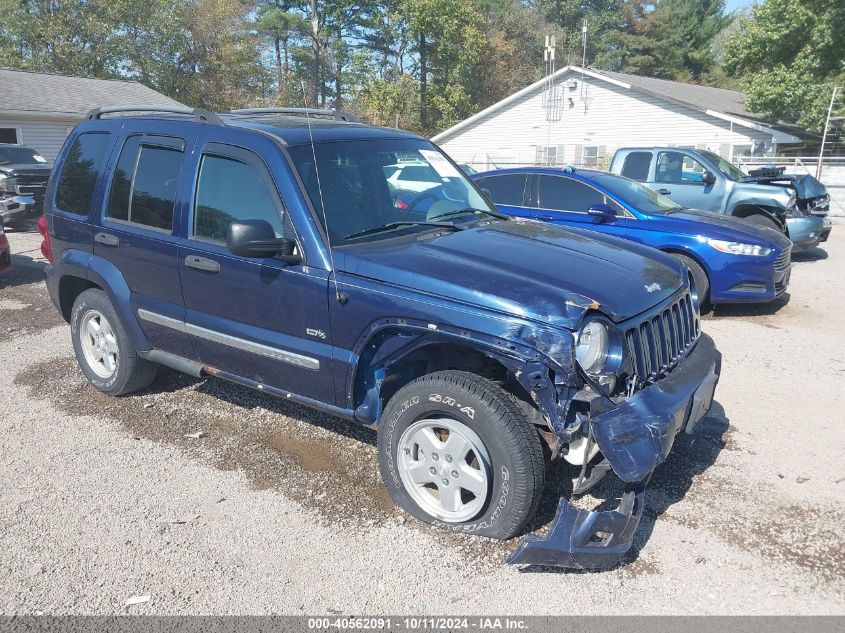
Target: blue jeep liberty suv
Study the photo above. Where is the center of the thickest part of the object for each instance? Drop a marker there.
(270, 248)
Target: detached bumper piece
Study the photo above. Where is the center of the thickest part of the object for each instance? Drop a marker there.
(584, 539)
(635, 437)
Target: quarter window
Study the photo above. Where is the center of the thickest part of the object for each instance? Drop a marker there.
(144, 185)
(79, 172)
(229, 190)
(508, 189)
(562, 194)
(9, 135)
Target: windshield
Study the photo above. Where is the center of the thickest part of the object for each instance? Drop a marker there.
(634, 194)
(368, 184)
(729, 169)
(20, 156)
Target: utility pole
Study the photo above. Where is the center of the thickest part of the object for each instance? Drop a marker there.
(824, 135)
(584, 64)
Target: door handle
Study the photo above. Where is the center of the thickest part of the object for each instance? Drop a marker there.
(106, 239)
(202, 263)
(663, 192)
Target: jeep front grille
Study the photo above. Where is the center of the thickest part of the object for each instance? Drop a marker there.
(658, 343)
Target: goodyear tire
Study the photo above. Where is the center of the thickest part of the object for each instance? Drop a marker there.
(103, 350)
(456, 451)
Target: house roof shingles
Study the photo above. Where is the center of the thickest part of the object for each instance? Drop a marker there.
(42, 93)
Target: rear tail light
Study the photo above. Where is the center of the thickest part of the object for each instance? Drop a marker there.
(46, 246)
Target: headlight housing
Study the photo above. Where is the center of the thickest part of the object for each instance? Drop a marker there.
(591, 347)
(738, 248)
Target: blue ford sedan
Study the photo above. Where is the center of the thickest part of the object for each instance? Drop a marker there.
(731, 261)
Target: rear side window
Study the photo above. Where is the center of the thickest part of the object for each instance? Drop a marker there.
(508, 189)
(228, 190)
(562, 194)
(79, 172)
(637, 165)
(144, 185)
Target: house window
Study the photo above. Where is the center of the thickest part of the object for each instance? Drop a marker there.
(9, 135)
(590, 156)
(549, 155)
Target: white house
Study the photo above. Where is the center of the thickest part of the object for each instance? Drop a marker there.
(39, 110)
(581, 116)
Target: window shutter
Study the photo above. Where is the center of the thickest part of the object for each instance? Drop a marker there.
(579, 155)
(538, 156)
(600, 158)
(561, 160)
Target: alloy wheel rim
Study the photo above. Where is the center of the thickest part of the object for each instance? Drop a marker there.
(99, 343)
(445, 468)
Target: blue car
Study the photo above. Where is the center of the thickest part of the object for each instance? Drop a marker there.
(731, 260)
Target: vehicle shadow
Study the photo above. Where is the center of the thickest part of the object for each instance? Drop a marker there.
(25, 270)
(749, 309)
(247, 398)
(814, 254)
(691, 455)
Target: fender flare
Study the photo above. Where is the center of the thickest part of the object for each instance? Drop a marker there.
(106, 275)
(388, 341)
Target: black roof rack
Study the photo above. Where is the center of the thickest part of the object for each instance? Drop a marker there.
(334, 114)
(203, 115)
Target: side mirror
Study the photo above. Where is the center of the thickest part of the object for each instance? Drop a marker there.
(602, 212)
(708, 178)
(256, 238)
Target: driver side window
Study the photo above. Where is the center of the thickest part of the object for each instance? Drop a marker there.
(679, 168)
(229, 189)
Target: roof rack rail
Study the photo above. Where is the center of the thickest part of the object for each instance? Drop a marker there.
(335, 114)
(203, 115)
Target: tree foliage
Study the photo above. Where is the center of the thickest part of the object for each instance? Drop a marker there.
(789, 55)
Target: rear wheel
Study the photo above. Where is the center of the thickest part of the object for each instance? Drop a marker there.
(456, 451)
(702, 282)
(103, 349)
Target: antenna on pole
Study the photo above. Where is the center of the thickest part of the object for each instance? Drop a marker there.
(550, 97)
(584, 64)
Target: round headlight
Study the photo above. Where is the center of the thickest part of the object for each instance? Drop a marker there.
(592, 346)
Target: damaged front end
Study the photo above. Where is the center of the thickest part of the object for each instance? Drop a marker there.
(634, 434)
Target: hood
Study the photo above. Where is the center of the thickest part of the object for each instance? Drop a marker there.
(806, 187)
(26, 170)
(529, 269)
(718, 226)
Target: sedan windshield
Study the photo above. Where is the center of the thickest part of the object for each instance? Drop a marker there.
(729, 169)
(20, 156)
(402, 186)
(634, 194)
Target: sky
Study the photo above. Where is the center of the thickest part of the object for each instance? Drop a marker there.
(732, 5)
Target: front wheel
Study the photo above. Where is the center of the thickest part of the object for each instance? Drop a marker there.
(764, 221)
(702, 282)
(456, 451)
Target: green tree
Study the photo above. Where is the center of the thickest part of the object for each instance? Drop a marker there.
(675, 39)
(276, 22)
(788, 56)
(605, 20)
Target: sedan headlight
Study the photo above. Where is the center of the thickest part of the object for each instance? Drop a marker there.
(738, 248)
(592, 347)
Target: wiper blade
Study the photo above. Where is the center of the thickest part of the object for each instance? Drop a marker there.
(475, 211)
(394, 225)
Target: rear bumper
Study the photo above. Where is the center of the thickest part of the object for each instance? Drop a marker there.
(635, 437)
(805, 232)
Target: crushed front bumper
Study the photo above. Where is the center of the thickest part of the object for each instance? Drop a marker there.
(16, 209)
(635, 437)
(806, 232)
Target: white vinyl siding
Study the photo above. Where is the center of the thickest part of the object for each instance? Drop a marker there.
(45, 136)
(614, 117)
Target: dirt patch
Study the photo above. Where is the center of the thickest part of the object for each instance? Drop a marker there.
(25, 306)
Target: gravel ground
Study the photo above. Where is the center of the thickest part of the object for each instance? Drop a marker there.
(278, 509)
